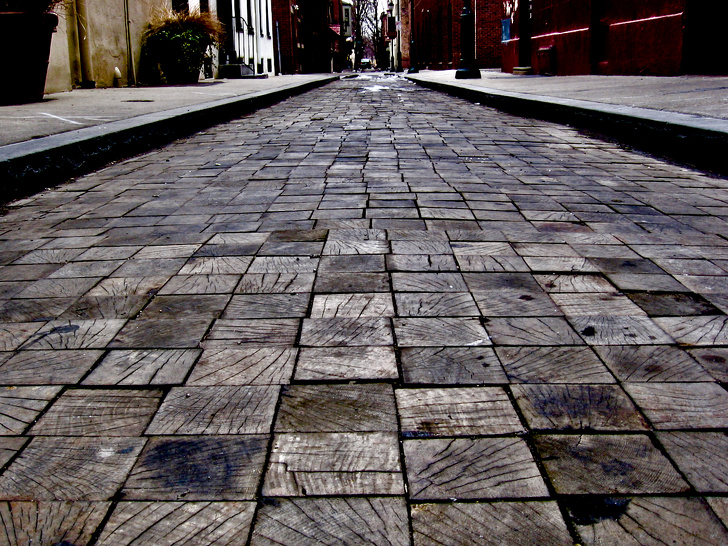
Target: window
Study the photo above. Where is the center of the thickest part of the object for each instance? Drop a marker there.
(270, 65)
(180, 5)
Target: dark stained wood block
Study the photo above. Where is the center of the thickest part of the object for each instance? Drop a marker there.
(47, 367)
(457, 411)
(75, 334)
(170, 523)
(659, 363)
(149, 333)
(50, 522)
(574, 283)
(55, 468)
(437, 332)
(667, 305)
(337, 408)
(84, 412)
(617, 330)
(712, 359)
(20, 406)
(198, 468)
(351, 463)
(143, 367)
(516, 303)
(346, 332)
(337, 363)
(492, 524)
(34, 309)
(606, 465)
(451, 365)
(463, 468)
(254, 366)
(351, 282)
(577, 407)
(216, 410)
(646, 520)
(672, 406)
(379, 521)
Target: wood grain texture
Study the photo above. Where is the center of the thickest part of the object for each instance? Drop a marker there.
(143, 367)
(681, 405)
(75, 334)
(20, 406)
(336, 363)
(553, 365)
(451, 365)
(438, 332)
(255, 366)
(47, 367)
(701, 456)
(652, 363)
(346, 332)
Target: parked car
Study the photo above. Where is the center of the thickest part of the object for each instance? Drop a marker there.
(365, 63)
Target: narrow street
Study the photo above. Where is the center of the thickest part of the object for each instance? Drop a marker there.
(370, 314)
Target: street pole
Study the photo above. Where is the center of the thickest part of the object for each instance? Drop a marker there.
(468, 69)
(413, 51)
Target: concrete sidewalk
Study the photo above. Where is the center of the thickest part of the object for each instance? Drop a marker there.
(682, 118)
(73, 133)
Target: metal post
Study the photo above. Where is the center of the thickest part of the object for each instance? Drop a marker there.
(468, 69)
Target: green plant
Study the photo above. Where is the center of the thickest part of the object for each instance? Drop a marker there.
(175, 45)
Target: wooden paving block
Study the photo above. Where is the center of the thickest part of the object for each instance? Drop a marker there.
(250, 306)
(14, 334)
(352, 282)
(560, 264)
(216, 410)
(275, 283)
(616, 330)
(532, 331)
(438, 332)
(9, 446)
(200, 284)
(433, 304)
(672, 406)
(217, 265)
(595, 464)
(352, 463)
(433, 247)
(352, 305)
(696, 331)
(456, 411)
(75, 334)
(213, 468)
(56, 468)
(58, 288)
(33, 309)
(516, 303)
(496, 264)
(574, 283)
(84, 412)
(105, 307)
(646, 520)
(337, 408)
(596, 304)
(349, 263)
(577, 407)
(451, 365)
(171, 523)
(47, 367)
(196, 305)
(381, 521)
(143, 367)
(336, 363)
(702, 457)
(463, 248)
(496, 282)
(255, 366)
(491, 524)
(284, 264)
(659, 363)
(149, 333)
(240, 332)
(421, 262)
(428, 282)
(128, 286)
(346, 332)
(340, 247)
(20, 407)
(667, 305)
(713, 359)
(464, 468)
(49, 522)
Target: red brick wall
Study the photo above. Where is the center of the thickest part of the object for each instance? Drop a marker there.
(488, 15)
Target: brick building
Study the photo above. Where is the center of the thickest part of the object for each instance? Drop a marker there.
(435, 33)
(658, 37)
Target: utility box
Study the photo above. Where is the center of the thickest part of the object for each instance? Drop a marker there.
(546, 58)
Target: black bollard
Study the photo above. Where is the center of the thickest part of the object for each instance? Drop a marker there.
(468, 69)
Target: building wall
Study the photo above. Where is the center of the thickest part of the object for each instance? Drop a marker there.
(488, 33)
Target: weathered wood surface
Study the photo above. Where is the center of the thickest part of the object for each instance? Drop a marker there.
(681, 405)
(553, 365)
(451, 365)
(337, 363)
(254, 366)
(143, 367)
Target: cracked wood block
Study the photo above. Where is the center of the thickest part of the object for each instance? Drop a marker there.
(200, 305)
(532, 331)
(75, 334)
(105, 307)
(14, 334)
(445, 304)
(252, 306)
(352, 305)
(596, 304)
(646, 520)
(343, 247)
(351, 363)
(346, 332)
(700, 331)
(58, 288)
(211, 468)
(171, 523)
(451, 365)
(553, 365)
(337, 408)
(681, 405)
(18, 311)
(424, 247)
(381, 521)
(200, 284)
(652, 363)
(560, 264)
(240, 332)
(284, 264)
(216, 410)
(456, 412)
(577, 407)
(574, 283)
(428, 282)
(151, 333)
(464, 468)
(531, 522)
(255, 366)
(701, 456)
(55, 468)
(712, 359)
(128, 286)
(352, 463)
(49, 522)
(143, 367)
(20, 407)
(9, 446)
(217, 265)
(421, 262)
(47, 367)
(83, 412)
(619, 330)
(437, 332)
(516, 303)
(497, 264)
(275, 283)
(619, 464)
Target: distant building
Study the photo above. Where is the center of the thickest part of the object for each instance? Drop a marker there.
(658, 37)
(249, 33)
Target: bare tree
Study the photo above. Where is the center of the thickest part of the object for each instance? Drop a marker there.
(367, 29)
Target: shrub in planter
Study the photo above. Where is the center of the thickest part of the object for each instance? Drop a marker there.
(26, 29)
(175, 46)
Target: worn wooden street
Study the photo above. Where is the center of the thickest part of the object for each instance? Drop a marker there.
(371, 314)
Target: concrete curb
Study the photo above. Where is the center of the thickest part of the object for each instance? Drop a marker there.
(696, 140)
(28, 167)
